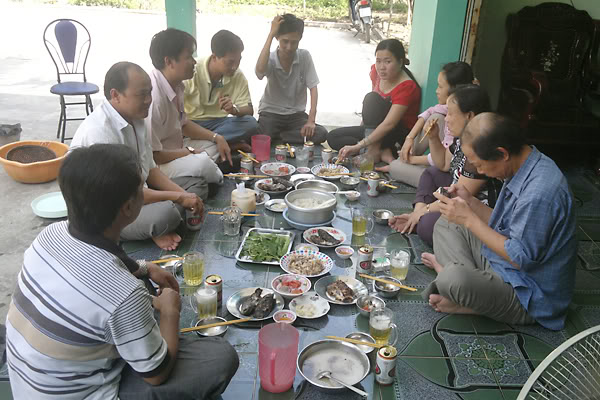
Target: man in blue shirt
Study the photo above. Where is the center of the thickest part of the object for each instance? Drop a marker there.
(515, 263)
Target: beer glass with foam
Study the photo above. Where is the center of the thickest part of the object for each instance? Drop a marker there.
(381, 326)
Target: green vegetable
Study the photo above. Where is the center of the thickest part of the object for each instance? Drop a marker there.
(265, 247)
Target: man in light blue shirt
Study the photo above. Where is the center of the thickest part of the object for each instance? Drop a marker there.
(515, 263)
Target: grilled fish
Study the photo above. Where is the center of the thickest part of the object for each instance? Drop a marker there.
(282, 181)
(265, 306)
(249, 303)
(339, 291)
(324, 238)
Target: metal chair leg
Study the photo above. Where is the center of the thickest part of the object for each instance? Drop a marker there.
(60, 117)
(64, 125)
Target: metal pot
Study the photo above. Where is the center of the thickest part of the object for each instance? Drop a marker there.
(309, 216)
(323, 186)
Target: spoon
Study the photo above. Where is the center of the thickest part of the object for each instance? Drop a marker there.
(327, 203)
(327, 374)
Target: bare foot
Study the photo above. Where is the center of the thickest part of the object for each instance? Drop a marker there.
(387, 156)
(441, 304)
(243, 146)
(168, 241)
(430, 261)
(385, 168)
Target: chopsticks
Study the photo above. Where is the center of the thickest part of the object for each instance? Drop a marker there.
(197, 328)
(166, 260)
(388, 282)
(245, 176)
(355, 341)
(247, 155)
(290, 149)
(429, 128)
(242, 214)
(384, 184)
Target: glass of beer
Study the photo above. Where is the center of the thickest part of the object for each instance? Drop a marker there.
(381, 326)
(206, 302)
(399, 262)
(364, 162)
(193, 268)
(360, 222)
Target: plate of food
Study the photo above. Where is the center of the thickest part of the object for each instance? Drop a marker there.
(307, 263)
(329, 171)
(273, 185)
(325, 236)
(309, 306)
(255, 302)
(265, 246)
(290, 285)
(276, 205)
(277, 169)
(340, 289)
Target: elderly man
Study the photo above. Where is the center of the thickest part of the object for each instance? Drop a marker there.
(120, 120)
(515, 263)
(181, 148)
(81, 324)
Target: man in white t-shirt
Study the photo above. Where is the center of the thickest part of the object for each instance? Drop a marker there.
(120, 120)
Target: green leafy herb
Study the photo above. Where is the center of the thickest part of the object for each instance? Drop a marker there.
(265, 247)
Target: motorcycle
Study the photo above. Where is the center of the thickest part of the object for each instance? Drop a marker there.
(360, 11)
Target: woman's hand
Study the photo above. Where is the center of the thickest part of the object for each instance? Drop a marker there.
(406, 223)
(432, 130)
(406, 149)
(348, 151)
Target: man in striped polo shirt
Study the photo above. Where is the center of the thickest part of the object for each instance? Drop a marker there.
(81, 324)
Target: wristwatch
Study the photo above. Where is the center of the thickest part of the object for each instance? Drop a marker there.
(236, 109)
(190, 149)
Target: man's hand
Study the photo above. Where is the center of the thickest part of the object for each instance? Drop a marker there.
(192, 202)
(163, 278)
(168, 301)
(275, 24)
(223, 149)
(456, 210)
(308, 129)
(226, 104)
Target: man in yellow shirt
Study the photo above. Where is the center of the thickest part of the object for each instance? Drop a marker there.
(219, 89)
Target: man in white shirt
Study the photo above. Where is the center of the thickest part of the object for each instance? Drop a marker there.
(120, 120)
(180, 147)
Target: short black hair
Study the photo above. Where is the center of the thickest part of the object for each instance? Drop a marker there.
(117, 77)
(290, 23)
(170, 43)
(96, 181)
(458, 73)
(471, 98)
(224, 42)
(497, 131)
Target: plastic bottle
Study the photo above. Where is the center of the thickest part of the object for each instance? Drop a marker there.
(244, 199)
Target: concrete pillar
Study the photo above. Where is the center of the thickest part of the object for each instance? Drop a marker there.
(436, 37)
(181, 14)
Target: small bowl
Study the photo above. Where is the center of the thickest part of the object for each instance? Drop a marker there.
(216, 331)
(284, 316)
(344, 252)
(303, 170)
(349, 182)
(261, 198)
(387, 290)
(304, 287)
(352, 196)
(368, 303)
(365, 337)
(382, 216)
(306, 246)
(245, 179)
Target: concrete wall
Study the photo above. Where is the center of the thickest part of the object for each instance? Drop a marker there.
(492, 37)
(437, 24)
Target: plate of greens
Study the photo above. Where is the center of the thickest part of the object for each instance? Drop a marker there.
(265, 246)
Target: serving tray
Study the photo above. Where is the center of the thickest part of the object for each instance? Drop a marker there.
(263, 231)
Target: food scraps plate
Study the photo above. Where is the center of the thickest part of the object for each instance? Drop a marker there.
(236, 299)
(326, 261)
(336, 233)
(309, 306)
(276, 205)
(269, 181)
(251, 255)
(339, 168)
(357, 287)
(277, 169)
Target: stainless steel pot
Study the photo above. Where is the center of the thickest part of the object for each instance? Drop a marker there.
(321, 185)
(306, 215)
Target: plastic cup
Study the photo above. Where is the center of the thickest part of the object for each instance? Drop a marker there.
(261, 146)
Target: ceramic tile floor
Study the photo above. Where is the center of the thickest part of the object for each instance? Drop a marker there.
(440, 356)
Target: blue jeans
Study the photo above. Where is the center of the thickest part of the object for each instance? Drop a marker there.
(233, 129)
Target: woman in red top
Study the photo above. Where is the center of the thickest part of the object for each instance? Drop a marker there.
(389, 111)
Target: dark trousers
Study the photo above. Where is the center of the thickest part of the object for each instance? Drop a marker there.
(287, 127)
(375, 109)
(203, 370)
(431, 179)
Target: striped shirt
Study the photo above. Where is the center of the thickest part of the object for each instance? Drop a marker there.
(77, 316)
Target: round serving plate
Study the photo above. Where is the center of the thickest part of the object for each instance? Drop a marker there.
(357, 287)
(315, 170)
(271, 192)
(278, 169)
(336, 233)
(326, 261)
(236, 299)
(50, 205)
(309, 302)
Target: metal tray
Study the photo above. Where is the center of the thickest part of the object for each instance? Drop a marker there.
(236, 299)
(291, 235)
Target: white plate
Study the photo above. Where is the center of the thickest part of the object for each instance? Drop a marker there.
(297, 178)
(274, 169)
(269, 180)
(336, 233)
(357, 287)
(321, 306)
(315, 170)
(276, 205)
(325, 260)
(50, 205)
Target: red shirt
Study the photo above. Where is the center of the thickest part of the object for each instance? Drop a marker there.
(406, 93)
